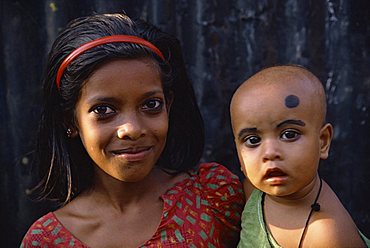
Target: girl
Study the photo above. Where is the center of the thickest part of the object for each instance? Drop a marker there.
(119, 142)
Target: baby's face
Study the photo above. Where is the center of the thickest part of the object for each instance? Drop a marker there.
(278, 134)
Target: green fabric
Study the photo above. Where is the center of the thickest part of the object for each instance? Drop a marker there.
(253, 233)
(365, 239)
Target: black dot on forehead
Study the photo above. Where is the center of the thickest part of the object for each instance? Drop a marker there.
(291, 101)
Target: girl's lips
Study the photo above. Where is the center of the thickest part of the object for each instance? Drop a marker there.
(133, 154)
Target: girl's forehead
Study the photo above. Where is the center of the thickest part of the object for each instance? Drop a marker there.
(123, 77)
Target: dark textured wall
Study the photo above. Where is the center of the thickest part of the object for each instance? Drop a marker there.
(224, 42)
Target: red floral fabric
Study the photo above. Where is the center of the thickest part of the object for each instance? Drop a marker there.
(201, 211)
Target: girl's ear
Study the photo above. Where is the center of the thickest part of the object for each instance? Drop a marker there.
(71, 132)
(70, 128)
(326, 135)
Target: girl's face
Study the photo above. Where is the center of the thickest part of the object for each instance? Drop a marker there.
(122, 118)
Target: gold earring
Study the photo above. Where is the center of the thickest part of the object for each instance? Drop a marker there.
(69, 133)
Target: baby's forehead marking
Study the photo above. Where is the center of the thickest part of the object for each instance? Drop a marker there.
(291, 101)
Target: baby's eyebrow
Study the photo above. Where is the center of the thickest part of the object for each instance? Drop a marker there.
(295, 122)
(246, 130)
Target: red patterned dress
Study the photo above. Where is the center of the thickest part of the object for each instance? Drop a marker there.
(201, 211)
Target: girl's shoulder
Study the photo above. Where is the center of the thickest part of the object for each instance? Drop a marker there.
(208, 202)
(216, 182)
(47, 231)
(216, 173)
(212, 181)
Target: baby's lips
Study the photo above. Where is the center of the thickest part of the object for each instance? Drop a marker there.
(274, 172)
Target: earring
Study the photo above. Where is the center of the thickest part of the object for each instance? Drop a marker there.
(69, 133)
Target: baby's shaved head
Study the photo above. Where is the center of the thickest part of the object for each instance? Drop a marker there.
(287, 76)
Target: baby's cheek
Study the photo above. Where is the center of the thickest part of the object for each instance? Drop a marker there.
(249, 163)
(243, 161)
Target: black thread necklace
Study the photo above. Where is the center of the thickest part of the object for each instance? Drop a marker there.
(314, 207)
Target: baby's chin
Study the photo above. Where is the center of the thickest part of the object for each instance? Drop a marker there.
(278, 191)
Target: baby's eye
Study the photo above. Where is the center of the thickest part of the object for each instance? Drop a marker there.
(290, 135)
(153, 105)
(252, 141)
(103, 110)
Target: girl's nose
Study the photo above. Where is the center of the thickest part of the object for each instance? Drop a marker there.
(131, 129)
(271, 150)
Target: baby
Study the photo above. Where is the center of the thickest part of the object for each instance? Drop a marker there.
(278, 121)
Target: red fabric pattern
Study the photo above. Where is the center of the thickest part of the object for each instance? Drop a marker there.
(201, 211)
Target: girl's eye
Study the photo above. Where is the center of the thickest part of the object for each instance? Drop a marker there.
(103, 110)
(153, 105)
(290, 135)
(252, 141)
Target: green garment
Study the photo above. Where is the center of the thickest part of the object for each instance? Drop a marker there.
(254, 233)
(365, 239)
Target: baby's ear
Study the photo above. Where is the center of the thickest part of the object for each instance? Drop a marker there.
(326, 135)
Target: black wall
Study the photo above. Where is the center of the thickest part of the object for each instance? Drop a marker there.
(224, 42)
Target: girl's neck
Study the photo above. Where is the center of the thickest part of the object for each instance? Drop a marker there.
(119, 195)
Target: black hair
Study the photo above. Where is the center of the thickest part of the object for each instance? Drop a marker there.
(64, 167)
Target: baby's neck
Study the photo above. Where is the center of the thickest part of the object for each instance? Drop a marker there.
(288, 217)
(305, 197)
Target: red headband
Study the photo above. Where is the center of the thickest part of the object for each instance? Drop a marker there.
(100, 41)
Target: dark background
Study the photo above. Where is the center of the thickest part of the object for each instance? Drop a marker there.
(224, 42)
